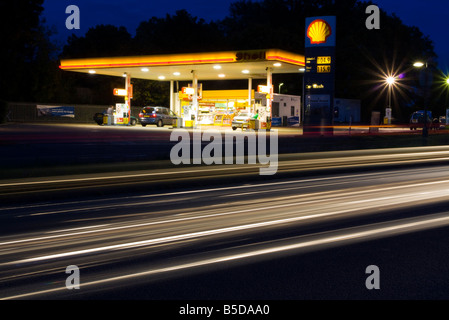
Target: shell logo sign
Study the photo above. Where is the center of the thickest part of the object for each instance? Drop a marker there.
(319, 31)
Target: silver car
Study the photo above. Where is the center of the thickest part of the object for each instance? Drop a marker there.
(241, 120)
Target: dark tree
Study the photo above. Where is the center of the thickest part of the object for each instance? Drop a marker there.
(179, 33)
(100, 41)
(27, 49)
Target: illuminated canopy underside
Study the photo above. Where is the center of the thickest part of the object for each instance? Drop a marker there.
(232, 65)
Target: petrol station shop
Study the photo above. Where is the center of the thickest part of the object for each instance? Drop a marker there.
(194, 104)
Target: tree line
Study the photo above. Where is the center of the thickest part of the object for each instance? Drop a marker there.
(364, 57)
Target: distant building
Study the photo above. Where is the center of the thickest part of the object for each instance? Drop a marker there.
(347, 110)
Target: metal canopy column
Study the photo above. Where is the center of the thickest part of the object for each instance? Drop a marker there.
(172, 105)
(270, 88)
(195, 97)
(250, 97)
(128, 96)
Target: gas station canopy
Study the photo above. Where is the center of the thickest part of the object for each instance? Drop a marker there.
(179, 67)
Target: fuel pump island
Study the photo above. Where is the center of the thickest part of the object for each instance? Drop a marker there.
(121, 114)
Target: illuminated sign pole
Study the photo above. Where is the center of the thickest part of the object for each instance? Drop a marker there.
(265, 116)
(128, 96)
(319, 77)
(195, 98)
(121, 109)
(270, 95)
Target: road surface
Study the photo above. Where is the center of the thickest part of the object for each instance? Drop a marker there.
(151, 230)
(141, 239)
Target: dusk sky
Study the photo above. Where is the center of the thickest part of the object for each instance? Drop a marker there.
(429, 16)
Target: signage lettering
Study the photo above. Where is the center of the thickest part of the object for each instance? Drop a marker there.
(264, 89)
(250, 56)
(188, 90)
(120, 92)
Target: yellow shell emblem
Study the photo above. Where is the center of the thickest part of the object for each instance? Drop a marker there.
(318, 31)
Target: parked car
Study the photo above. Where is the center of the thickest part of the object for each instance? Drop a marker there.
(159, 116)
(417, 120)
(98, 118)
(442, 121)
(241, 120)
(435, 124)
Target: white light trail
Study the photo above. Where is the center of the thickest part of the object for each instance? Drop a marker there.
(337, 238)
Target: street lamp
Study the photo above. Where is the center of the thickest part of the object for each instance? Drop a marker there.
(390, 82)
(419, 65)
(280, 85)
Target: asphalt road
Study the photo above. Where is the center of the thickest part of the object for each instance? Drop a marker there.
(226, 233)
(289, 239)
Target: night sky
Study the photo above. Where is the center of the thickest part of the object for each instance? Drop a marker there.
(430, 16)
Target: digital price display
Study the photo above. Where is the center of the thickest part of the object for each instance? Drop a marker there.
(324, 60)
(323, 69)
